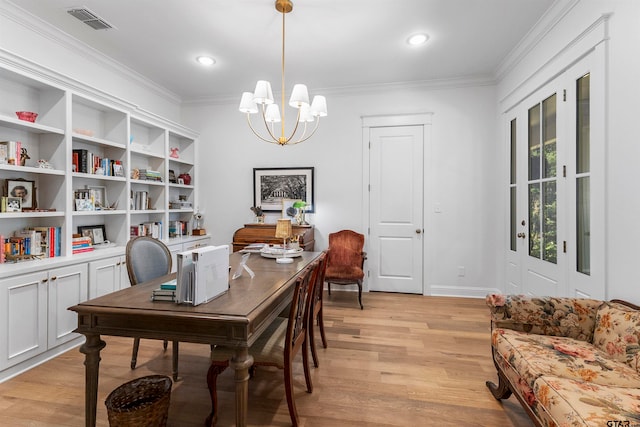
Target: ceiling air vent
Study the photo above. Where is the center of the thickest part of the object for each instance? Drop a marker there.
(89, 18)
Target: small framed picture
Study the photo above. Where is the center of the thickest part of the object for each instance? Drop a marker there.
(24, 189)
(98, 195)
(288, 211)
(118, 170)
(97, 233)
(84, 205)
(181, 181)
(14, 204)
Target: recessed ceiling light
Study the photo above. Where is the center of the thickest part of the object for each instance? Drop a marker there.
(418, 39)
(205, 60)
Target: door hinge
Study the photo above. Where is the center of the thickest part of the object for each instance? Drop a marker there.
(369, 187)
(564, 171)
(564, 246)
(564, 95)
(368, 231)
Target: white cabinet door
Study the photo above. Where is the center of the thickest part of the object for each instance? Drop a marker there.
(23, 330)
(67, 287)
(106, 276)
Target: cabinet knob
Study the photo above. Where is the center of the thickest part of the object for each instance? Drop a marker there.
(45, 280)
(54, 278)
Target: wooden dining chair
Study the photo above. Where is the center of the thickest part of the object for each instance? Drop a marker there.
(148, 258)
(315, 311)
(277, 346)
(345, 260)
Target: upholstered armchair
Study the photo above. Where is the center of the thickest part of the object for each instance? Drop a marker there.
(345, 260)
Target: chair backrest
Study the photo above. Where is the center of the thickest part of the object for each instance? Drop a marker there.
(299, 312)
(318, 285)
(346, 248)
(147, 259)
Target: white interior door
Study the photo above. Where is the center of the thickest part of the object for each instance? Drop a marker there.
(395, 244)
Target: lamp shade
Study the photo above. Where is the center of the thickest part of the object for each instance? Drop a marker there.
(263, 93)
(319, 106)
(272, 114)
(305, 114)
(283, 228)
(299, 96)
(247, 105)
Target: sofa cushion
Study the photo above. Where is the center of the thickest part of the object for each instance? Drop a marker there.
(565, 317)
(617, 333)
(569, 402)
(534, 355)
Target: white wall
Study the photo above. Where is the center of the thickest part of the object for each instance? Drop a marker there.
(39, 44)
(462, 166)
(622, 203)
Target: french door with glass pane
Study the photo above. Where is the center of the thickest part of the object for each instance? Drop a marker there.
(555, 228)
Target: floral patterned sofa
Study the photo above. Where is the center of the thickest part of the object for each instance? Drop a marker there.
(569, 361)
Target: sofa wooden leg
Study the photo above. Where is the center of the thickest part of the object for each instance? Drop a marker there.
(500, 391)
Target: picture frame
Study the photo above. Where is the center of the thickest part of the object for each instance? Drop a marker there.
(288, 211)
(97, 233)
(24, 189)
(273, 185)
(98, 195)
(118, 170)
(14, 204)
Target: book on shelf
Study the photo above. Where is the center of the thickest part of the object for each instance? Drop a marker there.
(10, 152)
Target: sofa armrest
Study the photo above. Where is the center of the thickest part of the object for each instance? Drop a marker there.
(558, 316)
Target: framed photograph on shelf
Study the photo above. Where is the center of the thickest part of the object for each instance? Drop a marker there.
(98, 196)
(14, 204)
(273, 185)
(97, 233)
(118, 170)
(23, 189)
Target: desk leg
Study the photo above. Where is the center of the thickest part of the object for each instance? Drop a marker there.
(91, 349)
(241, 362)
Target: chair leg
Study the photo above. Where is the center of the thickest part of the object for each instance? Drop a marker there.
(321, 324)
(215, 369)
(312, 343)
(305, 364)
(164, 345)
(134, 353)
(360, 294)
(174, 346)
(329, 287)
(288, 386)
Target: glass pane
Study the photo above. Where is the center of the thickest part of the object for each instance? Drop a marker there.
(549, 136)
(549, 226)
(513, 151)
(534, 220)
(583, 225)
(583, 124)
(513, 218)
(534, 142)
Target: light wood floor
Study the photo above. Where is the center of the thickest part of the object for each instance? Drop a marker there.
(404, 360)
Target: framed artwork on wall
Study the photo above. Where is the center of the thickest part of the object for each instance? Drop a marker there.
(271, 186)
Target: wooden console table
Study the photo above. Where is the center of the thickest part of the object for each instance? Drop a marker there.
(266, 233)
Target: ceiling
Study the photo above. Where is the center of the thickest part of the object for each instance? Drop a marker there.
(330, 44)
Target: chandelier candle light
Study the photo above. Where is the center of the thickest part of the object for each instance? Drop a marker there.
(263, 96)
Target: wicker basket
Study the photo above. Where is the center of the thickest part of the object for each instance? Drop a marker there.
(143, 402)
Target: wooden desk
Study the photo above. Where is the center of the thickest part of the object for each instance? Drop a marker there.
(266, 233)
(235, 319)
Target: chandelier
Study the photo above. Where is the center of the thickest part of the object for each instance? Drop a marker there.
(263, 97)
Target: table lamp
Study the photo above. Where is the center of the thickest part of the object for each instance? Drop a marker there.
(283, 231)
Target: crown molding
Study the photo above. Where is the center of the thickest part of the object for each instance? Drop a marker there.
(65, 41)
(452, 83)
(547, 22)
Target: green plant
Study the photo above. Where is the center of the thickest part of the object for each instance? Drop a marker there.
(257, 210)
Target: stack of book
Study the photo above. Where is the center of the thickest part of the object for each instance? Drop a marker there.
(166, 292)
(81, 244)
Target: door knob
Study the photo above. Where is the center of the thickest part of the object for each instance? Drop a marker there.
(418, 231)
(521, 235)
